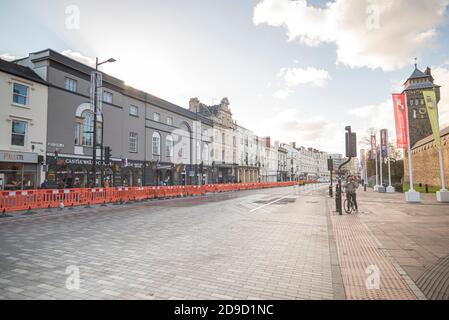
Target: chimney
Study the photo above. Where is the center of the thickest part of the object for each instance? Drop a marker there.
(268, 142)
(428, 71)
(293, 144)
(194, 105)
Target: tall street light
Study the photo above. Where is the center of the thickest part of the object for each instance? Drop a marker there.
(94, 153)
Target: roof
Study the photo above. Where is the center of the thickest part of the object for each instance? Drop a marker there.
(418, 86)
(20, 71)
(430, 138)
(418, 74)
(127, 90)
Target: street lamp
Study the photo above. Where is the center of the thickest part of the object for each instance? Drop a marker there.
(94, 153)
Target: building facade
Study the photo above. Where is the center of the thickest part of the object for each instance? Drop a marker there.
(153, 141)
(419, 122)
(224, 139)
(23, 129)
(247, 153)
(283, 173)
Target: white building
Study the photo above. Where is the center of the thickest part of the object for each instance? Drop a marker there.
(23, 129)
(292, 161)
(247, 155)
(269, 161)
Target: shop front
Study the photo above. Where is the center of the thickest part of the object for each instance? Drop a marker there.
(19, 170)
(65, 172)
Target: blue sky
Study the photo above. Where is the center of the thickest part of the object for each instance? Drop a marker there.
(212, 49)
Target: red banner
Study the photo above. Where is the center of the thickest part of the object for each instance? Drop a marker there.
(400, 118)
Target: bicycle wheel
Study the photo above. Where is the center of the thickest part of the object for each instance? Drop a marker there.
(348, 206)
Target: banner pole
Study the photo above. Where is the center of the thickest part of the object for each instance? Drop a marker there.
(411, 195)
(443, 179)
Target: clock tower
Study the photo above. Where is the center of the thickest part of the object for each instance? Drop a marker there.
(419, 122)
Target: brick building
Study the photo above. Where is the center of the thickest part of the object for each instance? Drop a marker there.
(426, 165)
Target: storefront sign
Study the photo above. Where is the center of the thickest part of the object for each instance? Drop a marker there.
(88, 162)
(10, 156)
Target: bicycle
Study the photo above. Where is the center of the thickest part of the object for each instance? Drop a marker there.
(349, 204)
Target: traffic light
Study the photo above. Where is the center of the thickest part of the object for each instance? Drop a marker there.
(201, 166)
(351, 145)
(330, 164)
(107, 154)
(56, 155)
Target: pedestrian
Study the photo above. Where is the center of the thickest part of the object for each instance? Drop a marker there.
(351, 187)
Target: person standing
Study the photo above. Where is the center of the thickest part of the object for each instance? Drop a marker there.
(351, 187)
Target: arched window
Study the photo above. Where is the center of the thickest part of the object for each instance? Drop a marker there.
(169, 146)
(156, 144)
(87, 128)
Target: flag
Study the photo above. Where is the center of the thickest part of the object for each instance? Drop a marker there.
(432, 109)
(373, 147)
(362, 156)
(384, 142)
(400, 118)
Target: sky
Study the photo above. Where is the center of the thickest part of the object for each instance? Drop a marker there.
(293, 70)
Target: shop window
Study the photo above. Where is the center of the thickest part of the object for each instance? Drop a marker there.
(20, 94)
(18, 133)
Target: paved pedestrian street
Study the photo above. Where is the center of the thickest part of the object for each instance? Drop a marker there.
(284, 243)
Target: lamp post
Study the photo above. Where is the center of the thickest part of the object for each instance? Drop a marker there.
(95, 98)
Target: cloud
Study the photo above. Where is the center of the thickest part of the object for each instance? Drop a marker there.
(7, 57)
(296, 76)
(378, 116)
(79, 57)
(381, 34)
(282, 93)
(441, 76)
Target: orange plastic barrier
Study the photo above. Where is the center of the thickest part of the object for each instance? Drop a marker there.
(36, 199)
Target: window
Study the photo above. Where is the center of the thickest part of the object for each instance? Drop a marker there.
(156, 117)
(18, 133)
(88, 128)
(222, 155)
(107, 97)
(70, 84)
(20, 94)
(170, 121)
(83, 131)
(206, 153)
(77, 134)
(134, 111)
(223, 138)
(156, 144)
(133, 142)
(169, 146)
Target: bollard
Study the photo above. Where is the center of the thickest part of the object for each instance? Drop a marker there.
(427, 188)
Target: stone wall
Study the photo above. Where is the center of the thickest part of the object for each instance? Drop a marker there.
(426, 167)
